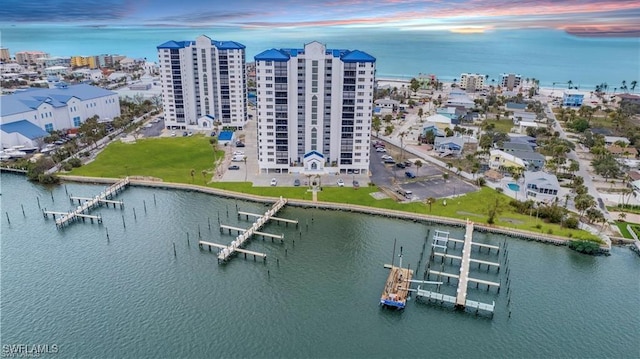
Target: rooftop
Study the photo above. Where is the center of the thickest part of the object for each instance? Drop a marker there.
(221, 45)
(31, 99)
(541, 177)
(25, 128)
(286, 54)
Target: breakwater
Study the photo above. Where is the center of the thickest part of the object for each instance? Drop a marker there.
(416, 217)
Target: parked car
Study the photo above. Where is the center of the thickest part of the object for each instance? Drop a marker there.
(234, 167)
(213, 134)
(238, 153)
(356, 184)
(173, 134)
(386, 157)
(296, 182)
(274, 182)
(400, 165)
(410, 174)
(340, 182)
(190, 134)
(239, 144)
(405, 193)
(389, 160)
(408, 163)
(237, 158)
(185, 134)
(381, 149)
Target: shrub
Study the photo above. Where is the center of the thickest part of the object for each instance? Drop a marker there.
(550, 231)
(75, 162)
(587, 247)
(499, 190)
(571, 222)
(66, 166)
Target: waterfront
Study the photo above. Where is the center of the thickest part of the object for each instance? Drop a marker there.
(130, 297)
(548, 55)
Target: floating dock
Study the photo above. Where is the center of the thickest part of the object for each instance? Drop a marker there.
(396, 288)
(82, 211)
(440, 248)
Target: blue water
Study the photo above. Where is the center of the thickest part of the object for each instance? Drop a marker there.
(225, 135)
(128, 296)
(514, 187)
(548, 55)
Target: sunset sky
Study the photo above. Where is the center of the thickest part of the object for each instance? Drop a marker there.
(454, 15)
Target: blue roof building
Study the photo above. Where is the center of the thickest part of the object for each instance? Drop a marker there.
(59, 108)
(572, 98)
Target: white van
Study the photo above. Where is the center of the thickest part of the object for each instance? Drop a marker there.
(237, 158)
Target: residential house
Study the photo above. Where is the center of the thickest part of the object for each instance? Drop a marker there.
(387, 105)
(541, 186)
(440, 120)
(628, 98)
(455, 113)
(523, 125)
(448, 145)
(517, 146)
(610, 140)
(502, 161)
(533, 161)
(572, 98)
(519, 138)
(623, 152)
(460, 98)
(432, 127)
(514, 106)
(523, 116)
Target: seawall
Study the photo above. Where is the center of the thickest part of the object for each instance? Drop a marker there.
(415, 217)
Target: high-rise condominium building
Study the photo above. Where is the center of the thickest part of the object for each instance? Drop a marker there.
(510, 81)
(29, 57)
(203, 83)
(4, 54)
(472, 82)
(314, 109)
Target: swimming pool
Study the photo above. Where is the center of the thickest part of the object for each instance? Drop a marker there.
(514, 187)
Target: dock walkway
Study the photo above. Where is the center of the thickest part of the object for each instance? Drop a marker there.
(236, 246)
(82, 211)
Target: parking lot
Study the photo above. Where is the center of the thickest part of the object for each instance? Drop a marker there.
(428, 181)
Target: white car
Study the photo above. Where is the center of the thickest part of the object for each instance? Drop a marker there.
(386, 157)
(381, 149)
(238, 153)
(274, 182)
(340, 183)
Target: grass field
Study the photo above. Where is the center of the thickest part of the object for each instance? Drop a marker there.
(173, 158)
(474, 206)
(623, 229)
(169, 158)
(502, 125)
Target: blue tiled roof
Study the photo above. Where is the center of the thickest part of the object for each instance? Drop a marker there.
(228, 45)
(358, 56)
(25, 128)
(312, 153)
(222, 45)
(273, 55)
(23, 101)
(286, 54)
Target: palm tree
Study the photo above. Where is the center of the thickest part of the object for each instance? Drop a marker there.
(402, 135)
(622, 216)
(430, 201)
(570, 83)
(418, 164)
(633, 85)
(245, 168)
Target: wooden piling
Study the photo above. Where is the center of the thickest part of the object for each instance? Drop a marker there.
(174, 250)
(38, 199)
(154, 199)
(134, 214)
(123, 224)
(21, 205)
(8, 220)
(145, 206)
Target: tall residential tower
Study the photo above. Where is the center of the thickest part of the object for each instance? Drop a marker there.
(314, 110)
(203, 83)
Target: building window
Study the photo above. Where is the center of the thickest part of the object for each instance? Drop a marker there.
(76, 121)
(48, 127)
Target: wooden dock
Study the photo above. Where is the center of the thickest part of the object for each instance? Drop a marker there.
(461, 296)
(82, 211)
(227, 251)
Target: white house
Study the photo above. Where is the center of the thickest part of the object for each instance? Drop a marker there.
(59, 108)
(541, 186)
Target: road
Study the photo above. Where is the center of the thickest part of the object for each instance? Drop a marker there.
(582, 172)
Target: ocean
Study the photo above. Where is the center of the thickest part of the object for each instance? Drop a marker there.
(117, 290)
(552, 56)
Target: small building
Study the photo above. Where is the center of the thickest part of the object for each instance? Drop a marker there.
(460, 98)
(572, 98)
(623, 152)
(21, 133)
(448, 145)
(628, 98)
(523, 125)
(533, 161)
(610, 140)
(440, 120)
(493, 175)
(541, 186)
(387, 104)
(56, 70)
(523, 116)
(432, 127)
(500, 160)
(517, 146)
(514, 106)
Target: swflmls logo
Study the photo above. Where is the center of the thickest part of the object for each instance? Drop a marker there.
(27, 350)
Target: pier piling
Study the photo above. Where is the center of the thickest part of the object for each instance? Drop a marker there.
(174, 249)
(24, 215)
(38, 199)
(8, 220)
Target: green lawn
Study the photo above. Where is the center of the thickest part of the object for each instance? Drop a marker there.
(623, 229)
(173, 158)
(169, 158)
(502, 125)
(473, 206)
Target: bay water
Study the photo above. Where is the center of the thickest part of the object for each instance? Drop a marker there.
(128, 296)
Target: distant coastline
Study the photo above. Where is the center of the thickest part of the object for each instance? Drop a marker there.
(579, 32)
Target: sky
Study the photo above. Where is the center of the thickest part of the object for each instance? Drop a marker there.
(575, 16)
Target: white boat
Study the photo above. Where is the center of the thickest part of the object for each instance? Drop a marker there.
(13, 153)
(4, 156)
